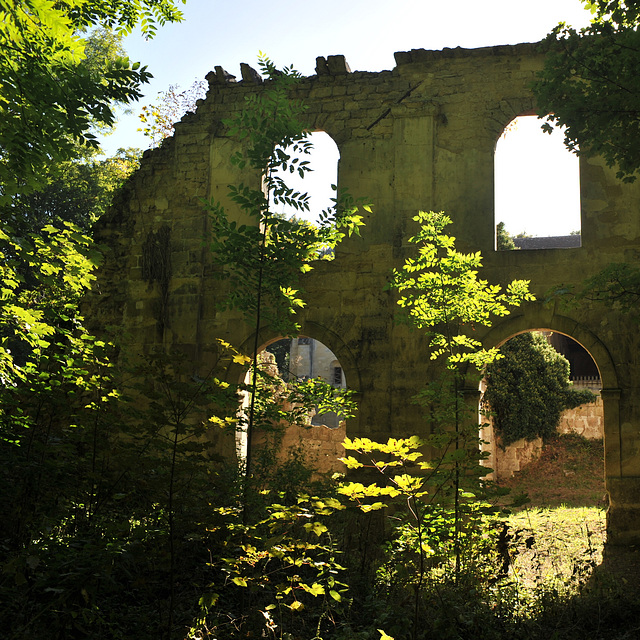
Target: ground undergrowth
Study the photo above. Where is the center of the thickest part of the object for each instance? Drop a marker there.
(549, 578)
(560, 584)
(569, 472)
(559, 533)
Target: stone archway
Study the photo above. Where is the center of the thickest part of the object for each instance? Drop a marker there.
(621, 508)
(316, 442)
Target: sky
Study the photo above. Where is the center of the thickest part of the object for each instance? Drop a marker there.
(367, 33)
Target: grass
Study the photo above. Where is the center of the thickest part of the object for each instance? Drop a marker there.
(556, 546)
(558, 536)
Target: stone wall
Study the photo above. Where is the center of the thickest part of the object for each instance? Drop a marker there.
(419, 136)
(586, 420)
(320, 446)
(507, 461)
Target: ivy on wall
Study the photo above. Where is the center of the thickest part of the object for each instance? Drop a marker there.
(529, 388)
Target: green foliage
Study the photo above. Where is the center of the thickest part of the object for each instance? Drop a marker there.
(528, 388)
(77, 191)
(442, 293)
(51, 92)
(159, 119)
(278, 568)
(504, 240)
(590, 85)
(438, 513)
(42, 278)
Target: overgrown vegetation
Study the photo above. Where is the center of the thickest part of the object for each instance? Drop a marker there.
(158, 119)
(589, 85)
(122, 522)
(528, 388)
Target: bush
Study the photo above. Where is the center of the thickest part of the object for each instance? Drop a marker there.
(529, 388)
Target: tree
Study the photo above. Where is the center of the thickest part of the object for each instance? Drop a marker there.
(42, 278)
(263, 262)
(282, 551)
(590, 85)
(528, 388)
(77, 191)
(61, 70)
(51, 94)
(442, 294)
(159, 119)
(504, 240)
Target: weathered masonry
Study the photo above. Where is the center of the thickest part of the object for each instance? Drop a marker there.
(421, 136)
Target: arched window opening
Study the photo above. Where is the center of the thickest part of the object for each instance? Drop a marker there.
(304, 358)
(537, 189)
(317, 183)
(300, 433)
(556, 483)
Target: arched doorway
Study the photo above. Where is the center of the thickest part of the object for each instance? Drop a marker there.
(544, 405)
(300, 376)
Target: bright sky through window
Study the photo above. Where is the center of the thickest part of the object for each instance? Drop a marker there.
(317, 183)
(537, 184)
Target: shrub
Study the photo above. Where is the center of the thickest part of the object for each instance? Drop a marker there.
(529, 388)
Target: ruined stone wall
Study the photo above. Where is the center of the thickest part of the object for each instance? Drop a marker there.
(318, 445)
(505, 462)
(587, 420)
(420, 136)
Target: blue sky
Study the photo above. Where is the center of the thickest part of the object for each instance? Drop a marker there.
(367, 32)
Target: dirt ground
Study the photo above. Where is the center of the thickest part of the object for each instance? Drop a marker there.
(570, 472)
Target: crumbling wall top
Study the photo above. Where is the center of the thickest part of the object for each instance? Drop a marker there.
(337, 65)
